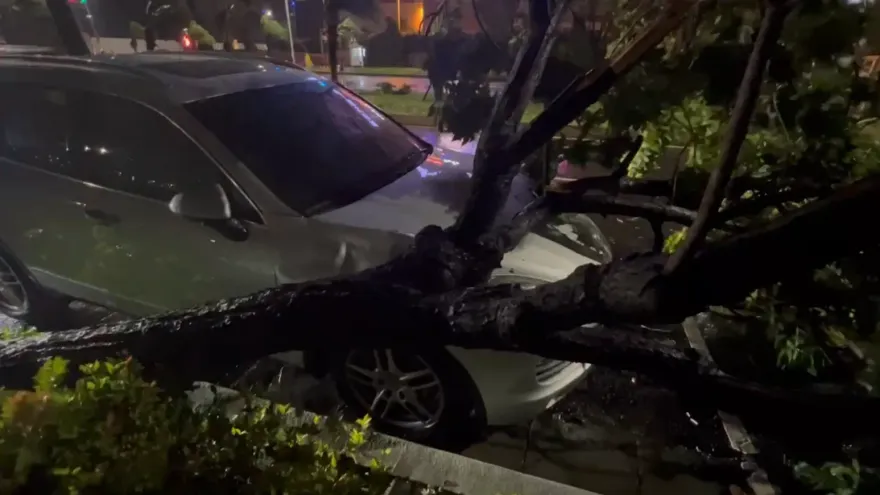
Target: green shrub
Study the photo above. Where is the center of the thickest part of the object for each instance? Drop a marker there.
(836, 478)
(114, 432)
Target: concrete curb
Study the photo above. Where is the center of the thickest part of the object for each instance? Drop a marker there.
(417, 463)
(461, 474)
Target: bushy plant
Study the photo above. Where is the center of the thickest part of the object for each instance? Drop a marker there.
(835, 478)
(114, 432)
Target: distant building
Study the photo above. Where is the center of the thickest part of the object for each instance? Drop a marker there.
(412, 12)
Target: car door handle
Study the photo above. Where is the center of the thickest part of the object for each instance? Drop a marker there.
(101, 217)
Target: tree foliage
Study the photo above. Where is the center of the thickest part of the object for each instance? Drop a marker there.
(811, 133)
(813, 130)
(114, 432)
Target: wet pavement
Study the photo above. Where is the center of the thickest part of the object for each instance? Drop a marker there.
(419, 85)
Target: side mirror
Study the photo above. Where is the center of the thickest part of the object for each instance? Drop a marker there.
(202, 203)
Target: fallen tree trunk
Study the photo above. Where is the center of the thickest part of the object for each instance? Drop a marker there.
(373, 310)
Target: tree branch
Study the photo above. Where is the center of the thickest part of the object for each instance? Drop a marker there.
(493, 172)
(586, 90)
(524, 66)
(754, 206)
(609, 205)
(747, 97)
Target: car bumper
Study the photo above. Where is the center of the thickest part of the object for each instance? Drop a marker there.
(517, 387)
(527, 407)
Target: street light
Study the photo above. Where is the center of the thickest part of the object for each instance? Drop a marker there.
(398, 16)
(291, 25)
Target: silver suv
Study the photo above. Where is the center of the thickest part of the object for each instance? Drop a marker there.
(150, 182)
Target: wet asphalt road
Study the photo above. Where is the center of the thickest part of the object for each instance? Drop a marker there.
(419, 85)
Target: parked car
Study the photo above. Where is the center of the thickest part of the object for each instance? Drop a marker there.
(158, 181)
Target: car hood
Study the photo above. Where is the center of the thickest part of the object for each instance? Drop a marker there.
(435, 193)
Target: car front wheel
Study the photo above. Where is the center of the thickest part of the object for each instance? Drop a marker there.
(22, 298)
(424, 396)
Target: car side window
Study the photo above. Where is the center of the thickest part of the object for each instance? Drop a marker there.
(109, 141)
(34, 129)
(129, 147)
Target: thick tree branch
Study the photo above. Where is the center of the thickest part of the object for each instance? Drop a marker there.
(613, 185)
(528, 62)
(586, 90)
(754, 206)
(492, 173)
(610, 205)
(811, 237)
(746, 100)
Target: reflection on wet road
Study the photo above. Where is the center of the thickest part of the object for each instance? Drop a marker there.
(368, 83)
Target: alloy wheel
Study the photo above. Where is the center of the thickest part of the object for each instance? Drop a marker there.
(13, 298)
(396, 388)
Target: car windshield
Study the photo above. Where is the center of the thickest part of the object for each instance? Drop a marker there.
(315, 145)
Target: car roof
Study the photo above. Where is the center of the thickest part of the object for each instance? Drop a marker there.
(185, 76)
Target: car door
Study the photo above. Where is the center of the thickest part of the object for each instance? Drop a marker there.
(41, 193)
(149, 258)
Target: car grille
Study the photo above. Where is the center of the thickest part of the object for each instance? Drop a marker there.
(548, 369)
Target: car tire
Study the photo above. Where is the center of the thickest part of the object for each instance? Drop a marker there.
(37, 306)
(458, 418)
